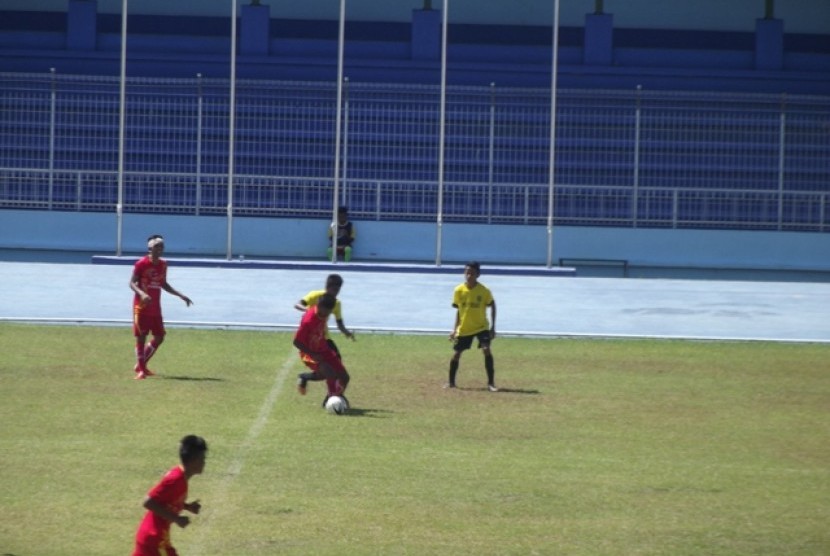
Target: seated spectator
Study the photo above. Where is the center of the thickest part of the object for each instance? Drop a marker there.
(345, 235)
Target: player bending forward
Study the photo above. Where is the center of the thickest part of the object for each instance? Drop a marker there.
(315, 351)
(333, 284)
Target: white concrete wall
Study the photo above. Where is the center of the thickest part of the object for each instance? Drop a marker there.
(417, 241)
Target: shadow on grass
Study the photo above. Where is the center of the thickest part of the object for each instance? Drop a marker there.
(192, 378)
(501, 390)
(376, 413)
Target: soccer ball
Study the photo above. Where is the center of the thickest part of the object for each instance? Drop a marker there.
(336, 405)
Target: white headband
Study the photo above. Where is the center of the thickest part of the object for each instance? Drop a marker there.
(155, 241)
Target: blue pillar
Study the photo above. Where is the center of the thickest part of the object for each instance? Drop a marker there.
(426, 34)
(769, 44)
(598, 47)
(255, 29)
(82, 25)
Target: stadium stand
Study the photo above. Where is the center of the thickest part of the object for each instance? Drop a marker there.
(626, 156)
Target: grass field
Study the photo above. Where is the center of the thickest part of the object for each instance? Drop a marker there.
(593, 446)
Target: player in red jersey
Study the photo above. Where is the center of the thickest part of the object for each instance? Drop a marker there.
(149, 278)
(333, 284)
(316, 352)
(168, 498)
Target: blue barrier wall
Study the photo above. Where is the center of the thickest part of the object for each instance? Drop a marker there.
(803, 16)
(416, 241)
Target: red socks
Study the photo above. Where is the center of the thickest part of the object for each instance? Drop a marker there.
(144, 352)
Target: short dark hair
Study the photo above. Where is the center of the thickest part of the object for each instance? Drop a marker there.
(327, 301)
(155, 236)
(475, 265)
(191, 447)
(342, 210)
(334, 280)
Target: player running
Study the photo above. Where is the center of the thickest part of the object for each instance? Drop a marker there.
(168, 498)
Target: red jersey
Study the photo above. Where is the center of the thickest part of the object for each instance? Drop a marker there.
(312, 333)
(151, 277)
(171, 492)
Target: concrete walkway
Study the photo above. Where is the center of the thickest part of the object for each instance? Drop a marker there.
(547, 305)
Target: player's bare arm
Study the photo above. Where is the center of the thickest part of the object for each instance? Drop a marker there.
(346, 332)
(171, 290)
(301, 306)
(493, 320)
(193, 507)
(454, 331)
(162, 511)
(134, 285)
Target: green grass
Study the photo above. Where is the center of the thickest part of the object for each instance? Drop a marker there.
(594, 447)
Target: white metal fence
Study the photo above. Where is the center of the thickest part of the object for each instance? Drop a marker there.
(623, 158)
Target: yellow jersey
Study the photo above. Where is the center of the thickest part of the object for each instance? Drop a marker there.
(472, 306)
(311, 300)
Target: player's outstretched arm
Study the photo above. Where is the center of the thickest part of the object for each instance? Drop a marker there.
(193, 507)
(171, 290)
(346, 332)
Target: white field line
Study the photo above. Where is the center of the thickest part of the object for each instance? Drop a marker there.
(290, 327)
(218, 499)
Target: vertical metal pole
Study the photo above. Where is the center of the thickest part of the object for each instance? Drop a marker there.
(341, 36)
(675, 208)
(199, 109)
(378, 199)
(52, 109)
(491, 153)
(782, 128)
(635, 201)
(442, 135)
(343, 193)
(552, 158)
(122, 119)
(231, 131)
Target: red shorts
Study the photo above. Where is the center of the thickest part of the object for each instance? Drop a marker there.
(333, 361)
(143, 324)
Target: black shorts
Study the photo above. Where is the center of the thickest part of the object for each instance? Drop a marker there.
(463, 343)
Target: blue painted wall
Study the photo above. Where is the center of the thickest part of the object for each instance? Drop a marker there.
(415, 241)
(802, 16)
(705, 45)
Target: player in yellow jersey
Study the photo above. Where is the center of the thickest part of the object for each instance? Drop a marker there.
(471, 300)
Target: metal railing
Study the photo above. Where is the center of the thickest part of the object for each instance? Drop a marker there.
(623, 158)
(496, 203)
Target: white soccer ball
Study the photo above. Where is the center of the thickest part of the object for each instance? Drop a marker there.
(336, 405)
